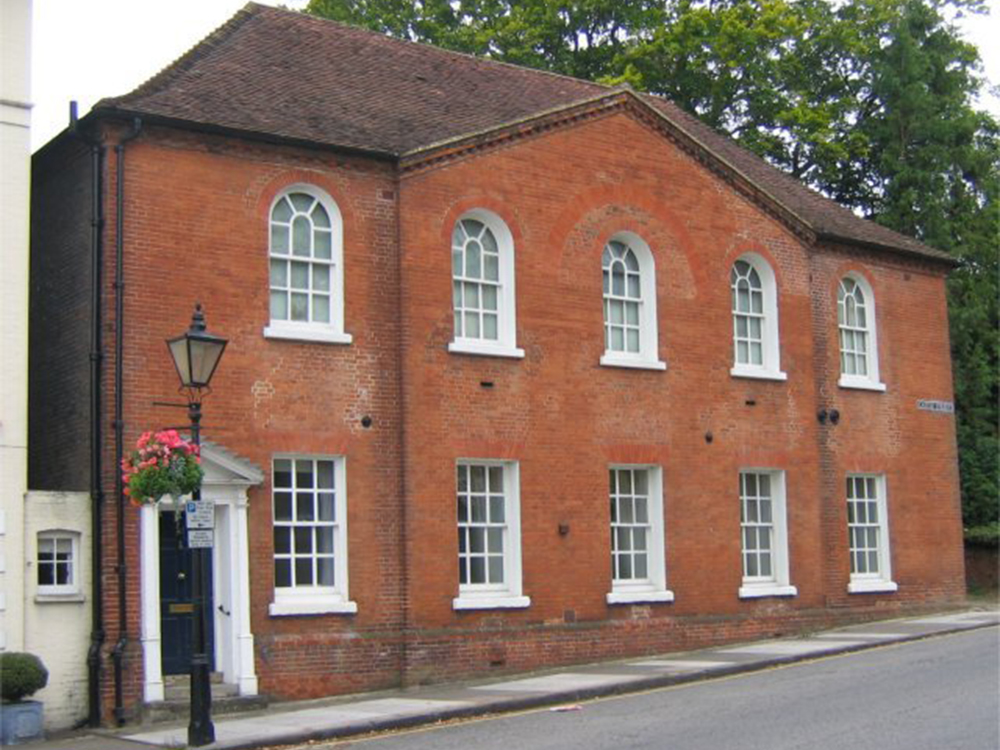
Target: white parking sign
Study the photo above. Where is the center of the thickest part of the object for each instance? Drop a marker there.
(200, 515)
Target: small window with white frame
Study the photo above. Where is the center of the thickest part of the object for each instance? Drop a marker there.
(868, 535)
(306, 267)
(857, 334)
(638, 569)
(629, 288)
(58, 563)
(489, 536)
(482, 284)
(754, 295)
(310, 536)
(764, 530)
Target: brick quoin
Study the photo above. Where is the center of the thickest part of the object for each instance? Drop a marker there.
(196, 221)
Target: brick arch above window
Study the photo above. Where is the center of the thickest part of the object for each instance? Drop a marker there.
(754, 305)
(305, 236)
(483, 288)
(857, 333)
(629, 304)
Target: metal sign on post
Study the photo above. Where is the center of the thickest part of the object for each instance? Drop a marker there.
(200, 520)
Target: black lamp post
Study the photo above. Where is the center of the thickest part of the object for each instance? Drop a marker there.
(196, 354)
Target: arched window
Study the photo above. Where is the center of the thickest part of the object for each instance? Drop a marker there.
(856, 326)
(306, 267)
(482, 282)
(756, 349)
(629, 287)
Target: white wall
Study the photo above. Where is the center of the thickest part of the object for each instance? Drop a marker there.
(57, 628)
(15, 144)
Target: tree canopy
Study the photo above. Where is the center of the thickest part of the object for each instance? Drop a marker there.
(871, 102)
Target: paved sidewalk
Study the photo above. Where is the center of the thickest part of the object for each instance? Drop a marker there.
(289, 723)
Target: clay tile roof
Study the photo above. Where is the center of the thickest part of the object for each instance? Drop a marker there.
(285, 74)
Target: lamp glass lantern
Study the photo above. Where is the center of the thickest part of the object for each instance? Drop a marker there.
(196, 353)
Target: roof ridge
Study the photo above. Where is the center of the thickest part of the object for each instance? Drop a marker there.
(169, 72)
(429, 46)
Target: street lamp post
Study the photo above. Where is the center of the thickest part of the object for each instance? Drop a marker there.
(196, 354)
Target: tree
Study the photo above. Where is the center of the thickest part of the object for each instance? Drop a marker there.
(870, 102)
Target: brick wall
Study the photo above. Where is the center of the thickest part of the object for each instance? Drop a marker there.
(196, 217)
(565, 418)
(196, 212)
(59, 339)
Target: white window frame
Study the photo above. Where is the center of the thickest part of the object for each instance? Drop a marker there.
(506, 342)
(313, 599)
(59, 590)
(509, 595)
(647, 358)
(881, 582)
(332, 332)
(770, 367)
(870, 381)
(652, 588)
(778, 583)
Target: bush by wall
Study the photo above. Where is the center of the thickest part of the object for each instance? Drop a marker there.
(21, 675)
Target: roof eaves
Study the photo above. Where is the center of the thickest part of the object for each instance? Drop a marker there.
(261, 136)
(929, 254)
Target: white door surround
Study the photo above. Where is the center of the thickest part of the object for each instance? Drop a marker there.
(227, 479)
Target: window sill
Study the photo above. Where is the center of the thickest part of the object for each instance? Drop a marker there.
(757, 373)
(861, 384)
(499, 601)
(315, 334)
(59, 598)
(640, 597)
(872, 587)
(757, 591)
(311, 607)
(614, 360)
(485, 350)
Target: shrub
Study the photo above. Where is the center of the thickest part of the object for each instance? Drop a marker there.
(21, 675)
(987, 535)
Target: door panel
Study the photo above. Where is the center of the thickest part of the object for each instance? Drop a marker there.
(176, 602)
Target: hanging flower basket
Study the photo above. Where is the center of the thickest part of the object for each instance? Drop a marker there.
(162, 463)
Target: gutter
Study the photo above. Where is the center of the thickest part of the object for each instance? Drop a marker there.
(97, 497)
(118, 654)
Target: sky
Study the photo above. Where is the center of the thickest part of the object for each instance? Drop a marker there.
(88, 49)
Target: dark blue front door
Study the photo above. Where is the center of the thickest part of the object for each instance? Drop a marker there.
(176, 604)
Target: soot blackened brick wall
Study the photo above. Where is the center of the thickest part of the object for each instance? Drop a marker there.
(60, 319)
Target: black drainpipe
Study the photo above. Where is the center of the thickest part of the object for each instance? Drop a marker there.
(119, 651)
(96, 433)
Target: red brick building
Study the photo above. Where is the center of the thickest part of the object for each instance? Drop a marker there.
(523, 371)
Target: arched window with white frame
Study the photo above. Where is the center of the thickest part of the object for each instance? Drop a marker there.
(306, 268)
(754, 295)
(482, 282)
(857, 334)
(629, 297)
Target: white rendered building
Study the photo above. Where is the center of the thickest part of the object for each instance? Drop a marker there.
(44, 536)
